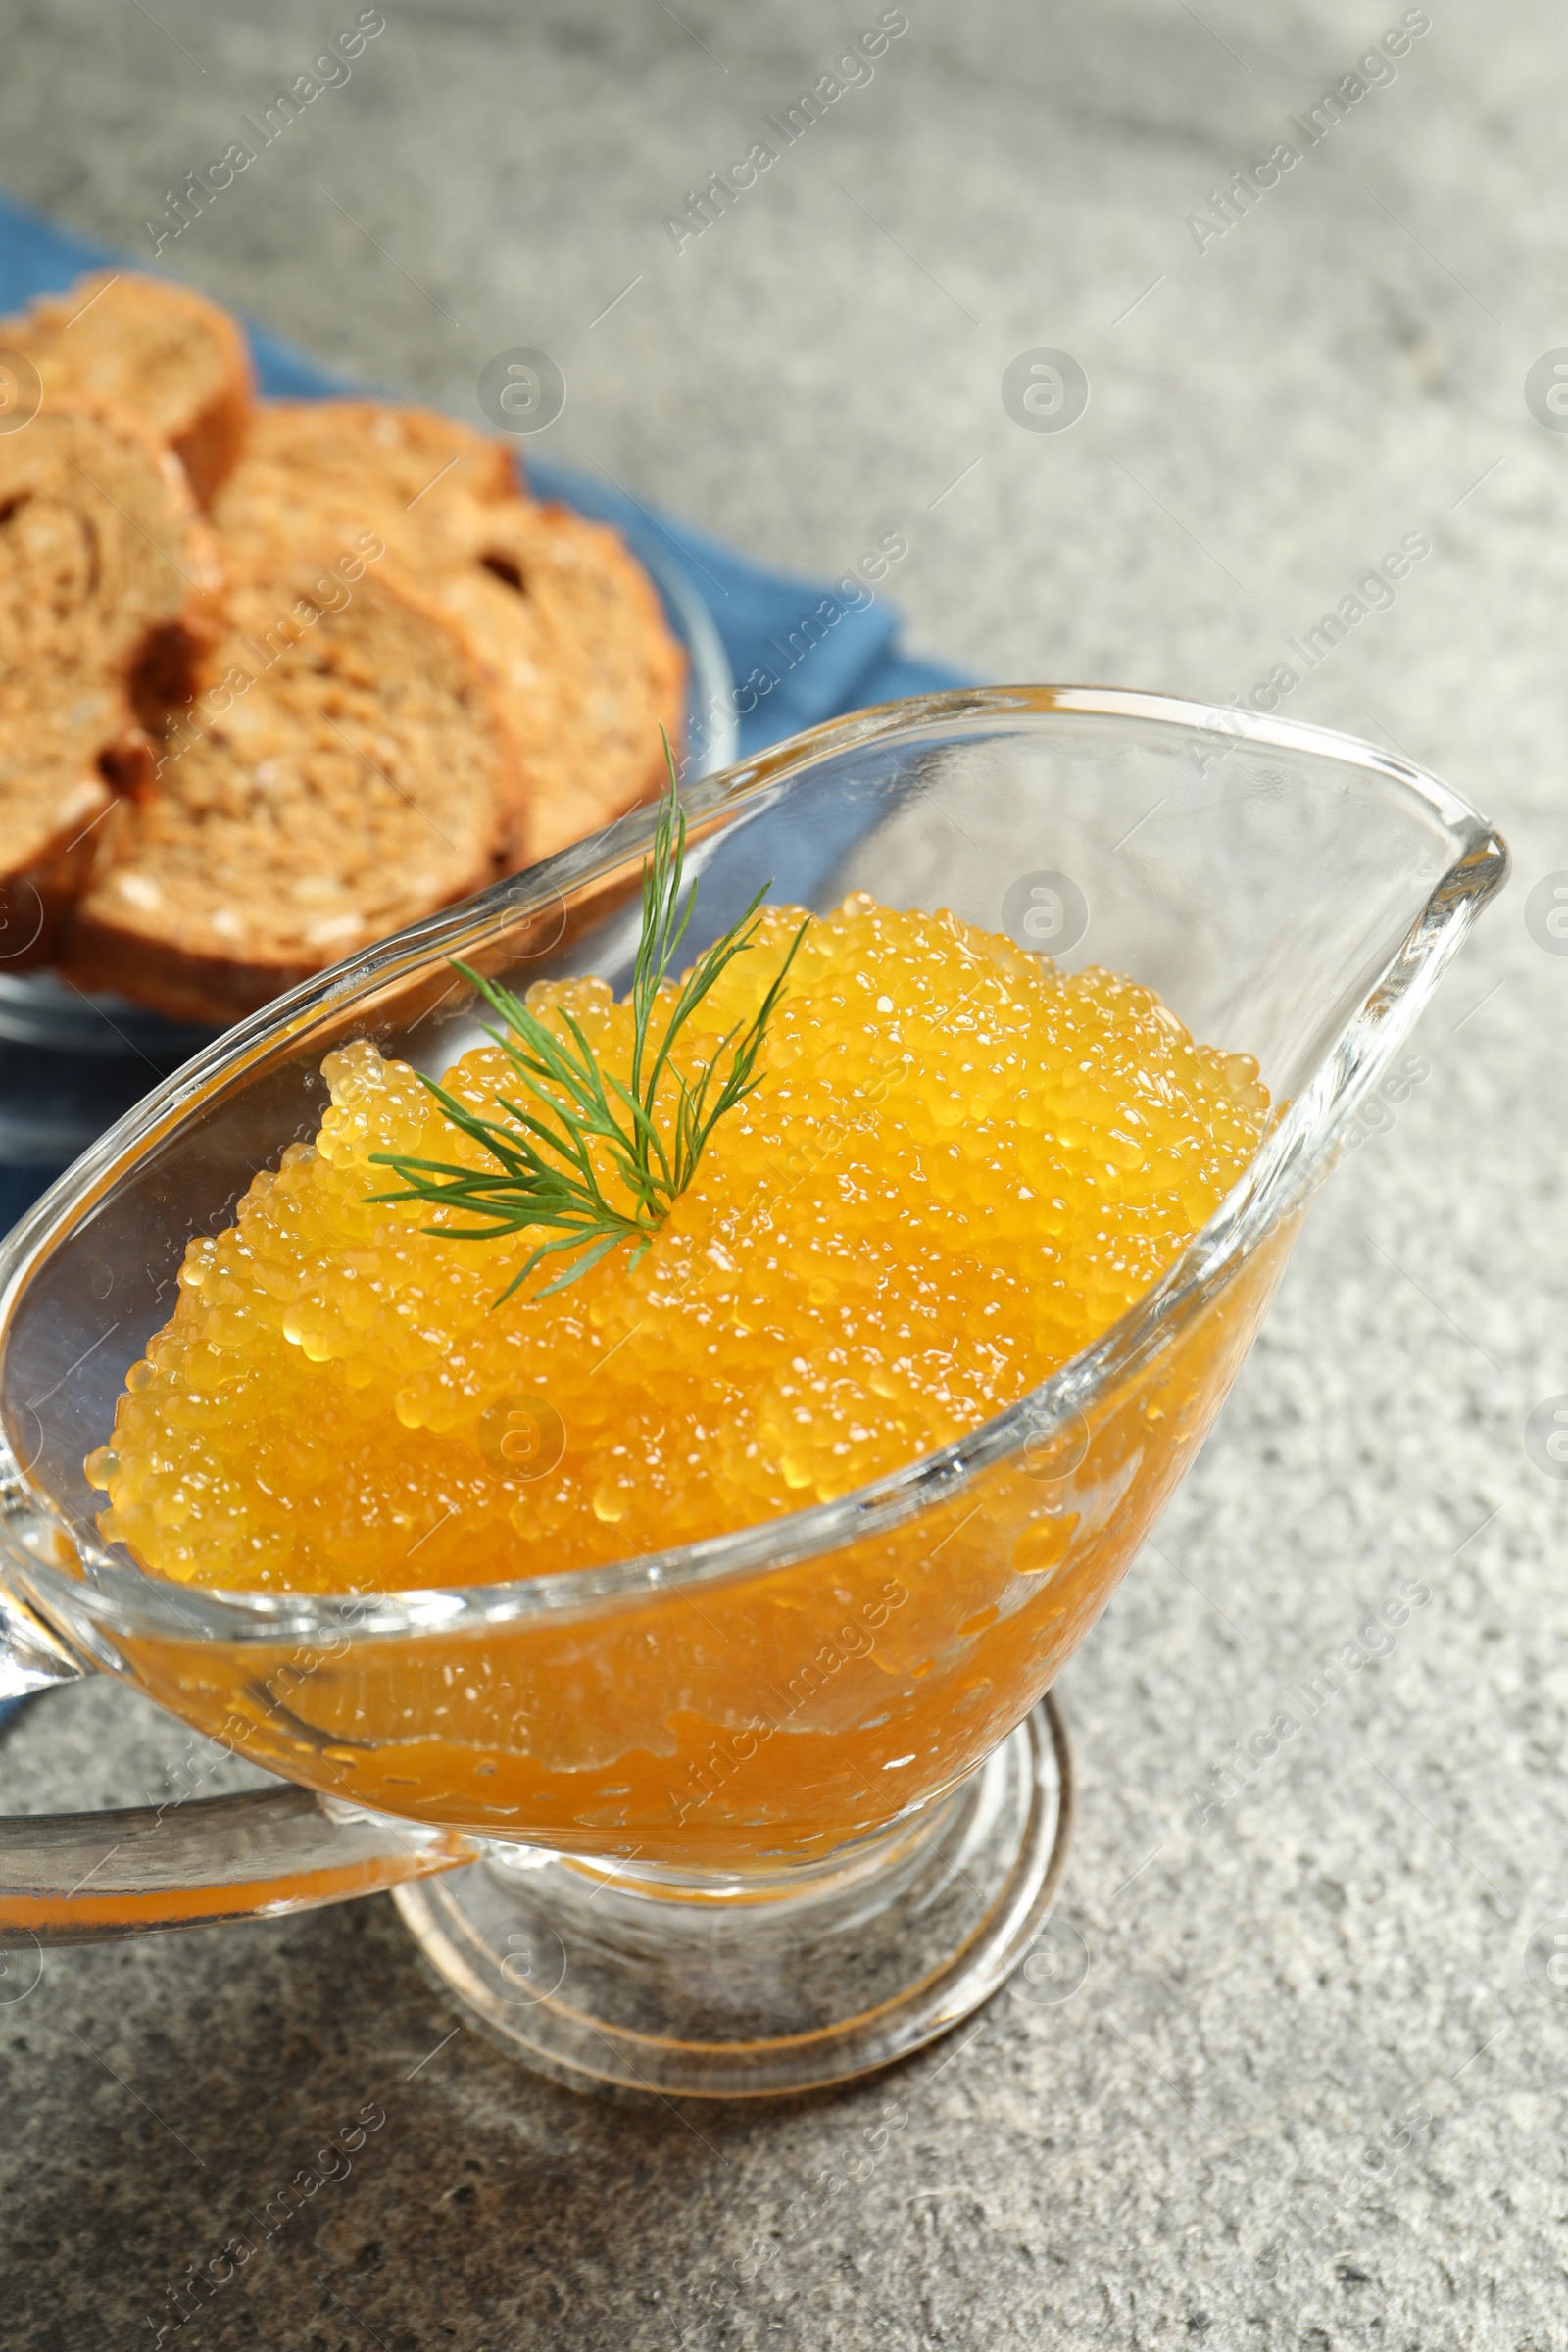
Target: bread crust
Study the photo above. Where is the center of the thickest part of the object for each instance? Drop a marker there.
(206, 430)
(176, 981)
(210, 446)
(36, 898)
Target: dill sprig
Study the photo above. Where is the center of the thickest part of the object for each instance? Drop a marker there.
(544, 1171)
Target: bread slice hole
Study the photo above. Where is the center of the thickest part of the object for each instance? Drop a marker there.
(505, 568)
(162, 674)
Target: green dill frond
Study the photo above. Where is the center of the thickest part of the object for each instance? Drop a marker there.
(654, 1128)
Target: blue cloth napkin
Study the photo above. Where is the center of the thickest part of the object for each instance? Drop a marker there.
(765, 620)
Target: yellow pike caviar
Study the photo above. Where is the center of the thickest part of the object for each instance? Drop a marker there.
(958, 1168)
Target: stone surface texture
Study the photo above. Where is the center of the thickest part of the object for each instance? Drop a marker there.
(1311, 2092)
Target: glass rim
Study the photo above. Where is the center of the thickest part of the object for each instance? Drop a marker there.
(1275, 1186)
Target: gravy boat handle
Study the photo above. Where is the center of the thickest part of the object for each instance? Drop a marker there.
(91, 1877)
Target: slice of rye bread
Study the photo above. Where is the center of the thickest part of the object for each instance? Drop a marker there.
(318, 470)
(350, 774)
(566, 622)
(570, 629)
(109, 591)
(152, 347)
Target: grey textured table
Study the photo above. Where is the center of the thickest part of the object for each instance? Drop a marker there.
(1310, 2091)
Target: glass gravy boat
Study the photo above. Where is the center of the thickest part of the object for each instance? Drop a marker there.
(771, 1809)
